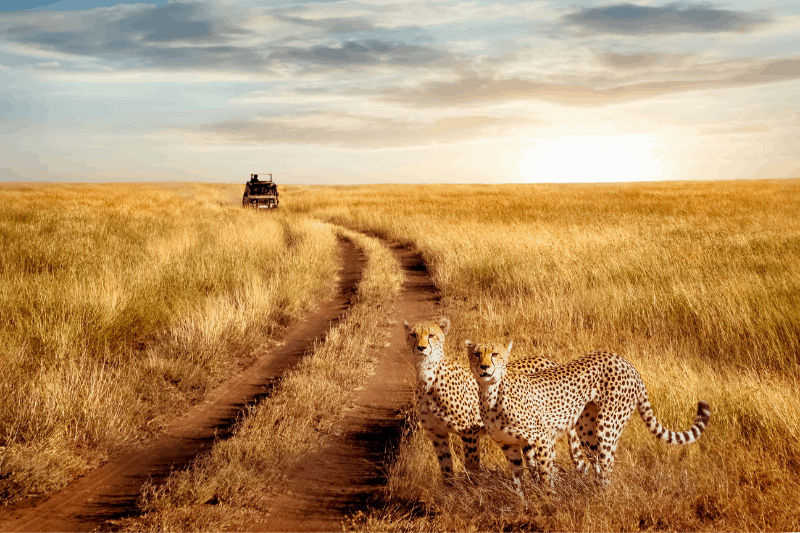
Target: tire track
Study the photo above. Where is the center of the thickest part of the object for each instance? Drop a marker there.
(111, 491)
(337, 480)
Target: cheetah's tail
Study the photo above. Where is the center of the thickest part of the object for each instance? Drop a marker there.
(675, 437)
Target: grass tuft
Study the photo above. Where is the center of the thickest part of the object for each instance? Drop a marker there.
(120, 305)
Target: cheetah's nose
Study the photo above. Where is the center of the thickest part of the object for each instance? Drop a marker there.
(421, 348)
(483, 367)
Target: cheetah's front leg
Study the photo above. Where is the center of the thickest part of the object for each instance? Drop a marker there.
(441, 446)
(472, 457)
(514, 456)
(541, 454)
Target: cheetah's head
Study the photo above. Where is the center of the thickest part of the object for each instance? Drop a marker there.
(488, 361)
(423, 337)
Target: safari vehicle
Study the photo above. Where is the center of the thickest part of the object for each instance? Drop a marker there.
(260, 194)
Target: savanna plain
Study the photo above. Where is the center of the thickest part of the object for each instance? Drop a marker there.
(121, 305)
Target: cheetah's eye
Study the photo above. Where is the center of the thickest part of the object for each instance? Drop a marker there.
(431, 336)
(412, 335)
(495, 354)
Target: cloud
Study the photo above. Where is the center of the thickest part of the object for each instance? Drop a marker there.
(191, 35)
(179, 34)
(475, 90)
(366, 53)
(478, 91)
(27, 4)
(350, 130)
(632, 60)
(335, 25)
(168, 23)
(665, 64)
(672, 18)
(784, 69)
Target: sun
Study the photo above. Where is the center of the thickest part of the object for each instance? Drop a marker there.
(591, 158)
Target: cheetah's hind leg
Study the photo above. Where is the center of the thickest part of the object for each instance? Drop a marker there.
(579, 459)
(608, 431)
(587, 431)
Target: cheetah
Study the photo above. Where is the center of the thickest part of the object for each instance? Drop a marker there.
(533, 410)
(447, 397)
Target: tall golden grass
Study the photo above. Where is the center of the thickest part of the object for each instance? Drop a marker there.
(241, 474)
(122, 304)
(698, 284)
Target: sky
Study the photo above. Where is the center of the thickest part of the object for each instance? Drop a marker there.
(398, 91)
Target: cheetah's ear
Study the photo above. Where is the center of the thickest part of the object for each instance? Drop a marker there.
(470, 346)
(444, 323)
(407, 327)
(508, 348)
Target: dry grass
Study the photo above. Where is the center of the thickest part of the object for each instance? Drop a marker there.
(241, 474)
(120, 305)
(698, 284)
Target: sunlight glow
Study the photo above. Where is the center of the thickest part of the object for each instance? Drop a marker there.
(591, 158)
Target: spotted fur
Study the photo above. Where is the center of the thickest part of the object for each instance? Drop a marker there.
(532, 410)
(447, 397)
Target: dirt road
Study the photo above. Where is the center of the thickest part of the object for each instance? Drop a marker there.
(332, 483)
(337, 480)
